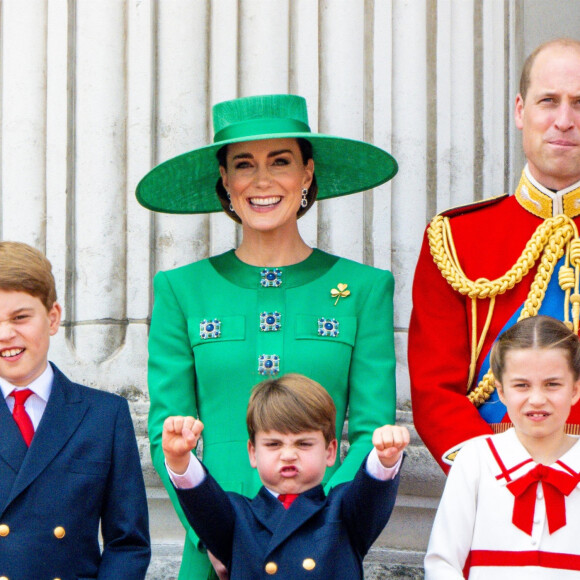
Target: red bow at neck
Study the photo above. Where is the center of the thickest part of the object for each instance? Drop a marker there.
(556, 484)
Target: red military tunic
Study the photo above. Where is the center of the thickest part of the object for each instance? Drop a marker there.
(488, 237)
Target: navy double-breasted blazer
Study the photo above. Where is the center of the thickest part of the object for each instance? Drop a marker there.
(318, 538)
(82, 469)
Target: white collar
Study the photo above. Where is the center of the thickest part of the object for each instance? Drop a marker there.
(41, 386)
(518, 461)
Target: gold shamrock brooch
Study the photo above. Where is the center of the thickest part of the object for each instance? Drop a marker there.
(340, 292)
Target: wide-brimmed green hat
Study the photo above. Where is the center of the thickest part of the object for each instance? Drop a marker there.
(187, 183)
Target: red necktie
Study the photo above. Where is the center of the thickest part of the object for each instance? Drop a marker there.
(287, 499)
(21, 416)
(556, 485)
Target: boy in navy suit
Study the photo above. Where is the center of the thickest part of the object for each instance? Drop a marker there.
(68, 455)
(291, 529)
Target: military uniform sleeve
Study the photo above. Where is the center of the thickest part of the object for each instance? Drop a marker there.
(372, 392)
(439, 356)
(171, 377)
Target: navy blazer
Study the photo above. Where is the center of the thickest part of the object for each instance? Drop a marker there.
(82, 469)
(318, 538)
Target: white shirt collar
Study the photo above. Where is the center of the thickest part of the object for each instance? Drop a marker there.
(41, 386)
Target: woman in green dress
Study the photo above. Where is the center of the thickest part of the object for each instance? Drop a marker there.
(274, 304)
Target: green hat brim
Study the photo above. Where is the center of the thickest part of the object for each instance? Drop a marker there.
(186, 183)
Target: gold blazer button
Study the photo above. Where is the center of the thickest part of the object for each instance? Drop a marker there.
(308, 564)
(59, 532)
(271, 568)
(4, 531)
(4, 578)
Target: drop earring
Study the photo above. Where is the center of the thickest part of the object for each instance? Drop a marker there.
(231, 208)
(304, 200)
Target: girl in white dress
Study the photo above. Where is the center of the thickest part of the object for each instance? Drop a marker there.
(511, 504)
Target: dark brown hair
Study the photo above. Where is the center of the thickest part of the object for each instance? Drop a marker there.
(536, 332)
(25, 269)
(292, 403)
(529, 62)
(306, 151)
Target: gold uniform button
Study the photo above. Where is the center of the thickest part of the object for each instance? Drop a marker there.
(271, 568)
(3, 577)
(4, 531)
(309, 564)
(59, 532)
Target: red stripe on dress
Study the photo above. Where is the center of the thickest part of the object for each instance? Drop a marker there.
(537, 558)
(568, 469)
(497, 459)
(467, 566)
(505, 472)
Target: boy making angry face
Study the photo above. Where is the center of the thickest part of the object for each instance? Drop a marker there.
(291, 426)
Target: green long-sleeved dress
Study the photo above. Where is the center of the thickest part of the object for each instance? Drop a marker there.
(219, 326)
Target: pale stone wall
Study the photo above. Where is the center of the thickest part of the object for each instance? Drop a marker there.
(94, 93)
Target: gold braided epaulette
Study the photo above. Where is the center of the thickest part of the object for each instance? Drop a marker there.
(552, 238)
(445, 257)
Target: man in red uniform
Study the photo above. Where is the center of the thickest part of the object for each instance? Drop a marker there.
(484, 266)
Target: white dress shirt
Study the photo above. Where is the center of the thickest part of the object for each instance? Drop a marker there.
(35, 405)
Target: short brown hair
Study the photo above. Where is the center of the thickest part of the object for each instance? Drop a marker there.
(529, 62)
(292, 403)
(25, 269)
(539, 331)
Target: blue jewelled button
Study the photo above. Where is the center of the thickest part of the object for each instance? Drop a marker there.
(210, 328)
(270, 321)
(271, 278)
(268, 364)
(328, 327)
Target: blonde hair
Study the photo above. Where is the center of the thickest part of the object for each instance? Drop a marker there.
(25, 269)
(539, 331)
(292, 403)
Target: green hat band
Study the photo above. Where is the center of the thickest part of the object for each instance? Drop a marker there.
(247, 129)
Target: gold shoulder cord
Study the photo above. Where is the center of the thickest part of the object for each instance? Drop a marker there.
(552, 238)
